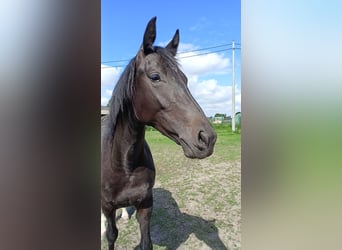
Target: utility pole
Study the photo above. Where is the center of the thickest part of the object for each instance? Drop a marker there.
(233, 86)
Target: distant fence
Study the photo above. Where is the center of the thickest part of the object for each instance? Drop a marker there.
(104, 110)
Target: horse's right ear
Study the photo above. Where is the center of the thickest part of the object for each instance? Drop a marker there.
(149, 36)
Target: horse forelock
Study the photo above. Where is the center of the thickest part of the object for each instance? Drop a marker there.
(171, 63)
(167, 56)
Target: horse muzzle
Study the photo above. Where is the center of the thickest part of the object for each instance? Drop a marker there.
(200, 146)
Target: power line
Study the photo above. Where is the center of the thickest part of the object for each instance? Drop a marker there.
(183, 57)
(213, 47)
(183, 52)
(206, 53)
(114, 66)
(124, 60)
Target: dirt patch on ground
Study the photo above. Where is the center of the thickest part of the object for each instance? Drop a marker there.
(197, 205)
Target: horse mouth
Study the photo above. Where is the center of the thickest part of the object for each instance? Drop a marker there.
(199, 150)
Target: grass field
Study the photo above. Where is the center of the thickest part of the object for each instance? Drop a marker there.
(196, 202)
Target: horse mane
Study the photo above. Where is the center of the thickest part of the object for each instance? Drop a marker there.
(120, 101)
(122, 95)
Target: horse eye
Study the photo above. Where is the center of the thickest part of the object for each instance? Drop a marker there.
(155, 77)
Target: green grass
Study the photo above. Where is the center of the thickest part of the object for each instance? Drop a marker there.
(228, 144)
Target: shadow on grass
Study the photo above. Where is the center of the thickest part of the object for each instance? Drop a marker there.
(170, 227)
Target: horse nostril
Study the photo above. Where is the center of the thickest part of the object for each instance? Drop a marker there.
(203, 137)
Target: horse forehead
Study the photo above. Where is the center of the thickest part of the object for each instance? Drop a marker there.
(157, 62)
(154, 60)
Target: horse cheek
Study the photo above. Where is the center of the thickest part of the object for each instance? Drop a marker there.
(142, 108)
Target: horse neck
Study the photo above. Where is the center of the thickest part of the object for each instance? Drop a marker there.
(128, 142)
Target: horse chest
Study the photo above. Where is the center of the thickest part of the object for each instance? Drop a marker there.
(133, 188)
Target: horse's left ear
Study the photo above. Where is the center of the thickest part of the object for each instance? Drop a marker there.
(173, 44)
(149, 36)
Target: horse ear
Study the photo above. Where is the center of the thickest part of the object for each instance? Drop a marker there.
(173, 44)
(149, 36)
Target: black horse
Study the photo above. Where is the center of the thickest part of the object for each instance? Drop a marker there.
(151, 91)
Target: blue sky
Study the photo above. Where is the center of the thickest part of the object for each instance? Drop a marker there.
(202, 25)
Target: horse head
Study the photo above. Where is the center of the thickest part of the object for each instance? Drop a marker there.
(161, 97)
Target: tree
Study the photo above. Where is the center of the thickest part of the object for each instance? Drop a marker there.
(220, 115)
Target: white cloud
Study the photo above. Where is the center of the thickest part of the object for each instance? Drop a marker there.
(104, 101)
(183, 47)
(109, 77)
(195, 64)
(212, 95)
(215, 98)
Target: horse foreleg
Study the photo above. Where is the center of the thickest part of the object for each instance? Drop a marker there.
(144, 214)
(111, 231)
(125, 214)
